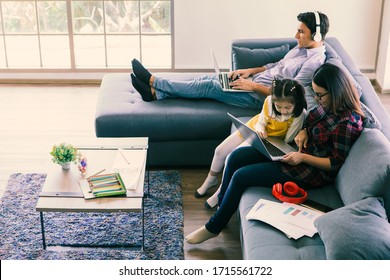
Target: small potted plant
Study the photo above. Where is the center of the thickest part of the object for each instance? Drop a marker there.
(64, 154)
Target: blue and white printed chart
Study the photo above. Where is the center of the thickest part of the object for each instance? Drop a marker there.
(294, 220)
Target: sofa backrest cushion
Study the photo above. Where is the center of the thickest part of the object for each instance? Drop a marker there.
(343, 55)
(247, 58)
(366, 170)
(356, 231)
(333, 58)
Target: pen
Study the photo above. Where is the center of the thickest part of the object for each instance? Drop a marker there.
(103, 177)
(96, 174)
(125, 158)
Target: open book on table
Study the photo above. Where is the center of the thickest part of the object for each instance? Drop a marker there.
(292, 219)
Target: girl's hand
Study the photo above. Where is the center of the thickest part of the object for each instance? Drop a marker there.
(293, 158)
(262, 133)
(301, 139)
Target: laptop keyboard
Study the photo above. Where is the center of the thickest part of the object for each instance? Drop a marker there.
(225, 80)
(272, 149)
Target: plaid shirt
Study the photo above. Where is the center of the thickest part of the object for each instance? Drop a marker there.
(330, 136)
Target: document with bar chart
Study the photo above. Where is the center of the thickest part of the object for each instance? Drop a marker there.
(292, 219)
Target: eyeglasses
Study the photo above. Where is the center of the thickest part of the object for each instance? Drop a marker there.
(318, 94)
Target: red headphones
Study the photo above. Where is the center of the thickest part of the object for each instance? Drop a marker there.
(292, 190)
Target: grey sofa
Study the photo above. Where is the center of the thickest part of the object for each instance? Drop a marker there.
(186, 132)
(359, 227)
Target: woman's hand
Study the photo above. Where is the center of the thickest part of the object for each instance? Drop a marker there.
(301, 139)
(294, 158)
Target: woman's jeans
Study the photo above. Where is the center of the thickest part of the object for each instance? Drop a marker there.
(245, 167)
(204, 87)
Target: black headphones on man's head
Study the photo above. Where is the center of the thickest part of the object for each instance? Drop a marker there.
(317, 36)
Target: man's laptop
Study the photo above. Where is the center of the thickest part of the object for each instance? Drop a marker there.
(223, 77)
(274, 148)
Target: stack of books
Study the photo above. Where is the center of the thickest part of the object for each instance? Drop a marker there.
(109, 184)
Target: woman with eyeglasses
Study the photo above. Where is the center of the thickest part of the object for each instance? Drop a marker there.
(324, 142)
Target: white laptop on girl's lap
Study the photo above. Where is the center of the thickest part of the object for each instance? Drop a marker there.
(273, 148)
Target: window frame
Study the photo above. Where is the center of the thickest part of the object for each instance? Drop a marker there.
(72, 67)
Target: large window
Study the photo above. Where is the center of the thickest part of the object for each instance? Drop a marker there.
(84, 34)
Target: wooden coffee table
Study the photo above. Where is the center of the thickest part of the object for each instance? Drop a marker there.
(62, 193)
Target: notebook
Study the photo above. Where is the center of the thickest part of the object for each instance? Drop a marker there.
(273, 148)
(223, 77)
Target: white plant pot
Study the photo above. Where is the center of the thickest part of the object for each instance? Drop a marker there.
(65, 166)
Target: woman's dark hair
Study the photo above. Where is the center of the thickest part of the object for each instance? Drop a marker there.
(287, 89)
(309, 19)
(343, 93)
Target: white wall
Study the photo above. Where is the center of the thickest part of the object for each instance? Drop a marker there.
(202, 24)
(383, 66)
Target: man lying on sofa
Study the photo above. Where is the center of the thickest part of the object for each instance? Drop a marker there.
(298, 64)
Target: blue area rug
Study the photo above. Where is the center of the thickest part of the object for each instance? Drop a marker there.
(20, 229)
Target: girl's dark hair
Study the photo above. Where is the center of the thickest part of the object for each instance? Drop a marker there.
(309, 19)
(287, 89)
(343, 93)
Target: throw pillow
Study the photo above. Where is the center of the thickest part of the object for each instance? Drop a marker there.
(357, 231)
(247, 58)
(370, 120)
(366, 170)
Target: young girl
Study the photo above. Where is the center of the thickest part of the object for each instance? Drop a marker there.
(282, 116)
